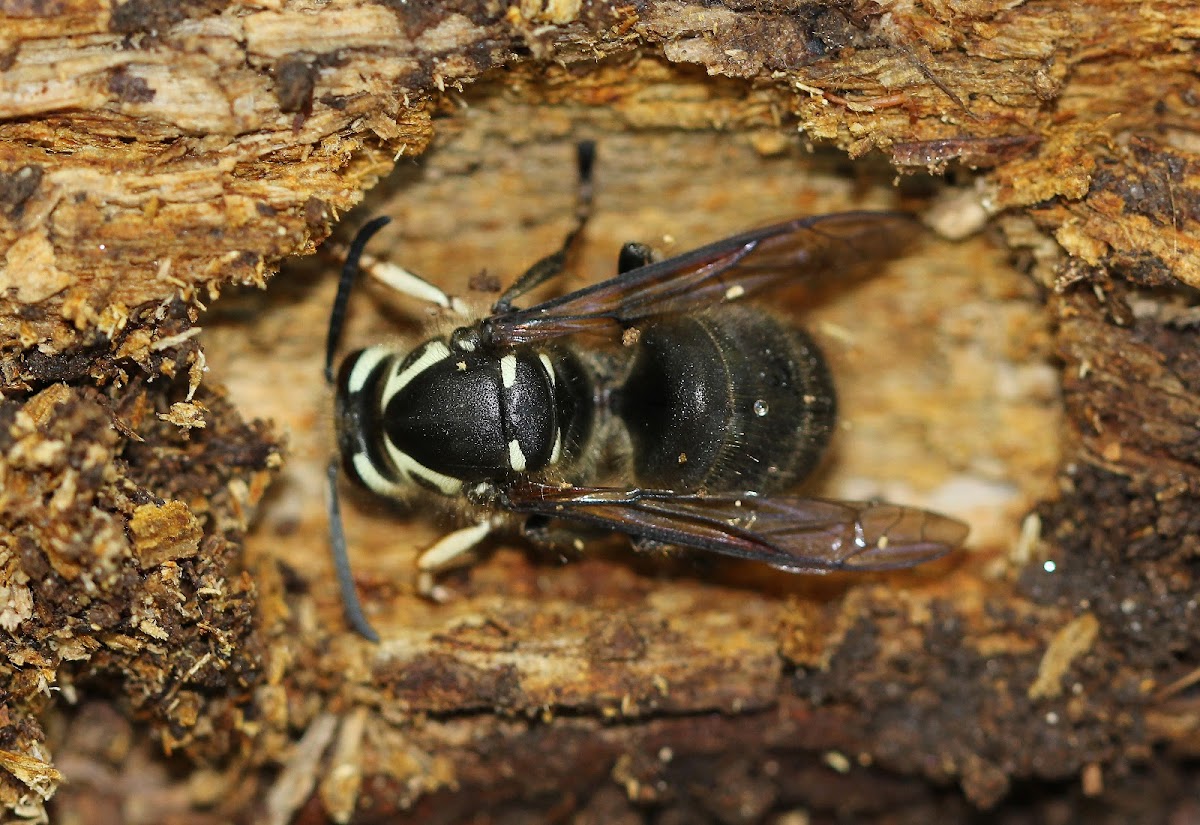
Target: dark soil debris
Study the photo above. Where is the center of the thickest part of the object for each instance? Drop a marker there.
(1127, 549)
(17, 187)
(295, 78)
(120, 554)
(130, 88)
(149, 17)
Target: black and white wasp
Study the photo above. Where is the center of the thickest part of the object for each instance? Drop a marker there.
(653, 404)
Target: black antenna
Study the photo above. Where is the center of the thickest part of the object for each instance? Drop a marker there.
(337, 317)
(341, 561)
(337, 534)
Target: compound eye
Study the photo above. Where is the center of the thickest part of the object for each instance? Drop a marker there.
(466, 339)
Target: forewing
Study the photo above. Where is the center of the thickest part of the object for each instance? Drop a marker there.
(827, 246)
(792, 533)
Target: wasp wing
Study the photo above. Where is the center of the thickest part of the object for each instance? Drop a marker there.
(792, 533)
(720, 272)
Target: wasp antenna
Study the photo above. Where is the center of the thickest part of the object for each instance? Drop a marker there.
(341, 561)
(337, 316)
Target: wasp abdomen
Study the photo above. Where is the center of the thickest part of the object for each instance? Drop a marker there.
(726, 401)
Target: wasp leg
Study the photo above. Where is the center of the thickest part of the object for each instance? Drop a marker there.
(554, 263)
(450, 551)
(560, 537)
(634, 255)
(400, 280)
(396, 277)
(341, 561)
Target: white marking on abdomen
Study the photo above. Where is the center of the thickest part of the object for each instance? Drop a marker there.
(516, 458)
(434, 351)
(508, 370)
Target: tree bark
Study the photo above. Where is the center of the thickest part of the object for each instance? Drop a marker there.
(1030, 367)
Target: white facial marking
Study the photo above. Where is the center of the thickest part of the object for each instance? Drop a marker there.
(556, 453)
(516, 458)
(734, 292)
(434, 351)
(374, 480)
(366, 363)
(545, 359)
(508, 370)
(407, 464)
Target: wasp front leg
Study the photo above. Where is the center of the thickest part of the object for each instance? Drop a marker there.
(400, 280)
(450, 551)
(395, 277)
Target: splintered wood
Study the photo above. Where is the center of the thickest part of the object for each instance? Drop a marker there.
(155, 155)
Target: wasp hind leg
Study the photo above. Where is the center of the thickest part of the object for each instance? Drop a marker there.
(561, 538)
(553, 264)
(450, 551)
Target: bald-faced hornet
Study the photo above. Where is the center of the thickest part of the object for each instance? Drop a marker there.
(650, 404)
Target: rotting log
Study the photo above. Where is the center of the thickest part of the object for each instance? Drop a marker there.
(1038, 378)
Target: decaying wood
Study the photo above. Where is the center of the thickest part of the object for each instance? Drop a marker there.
(153, 155)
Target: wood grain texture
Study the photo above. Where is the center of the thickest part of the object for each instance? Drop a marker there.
(1037, 379)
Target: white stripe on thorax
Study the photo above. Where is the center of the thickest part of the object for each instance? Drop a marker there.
(434, 351)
